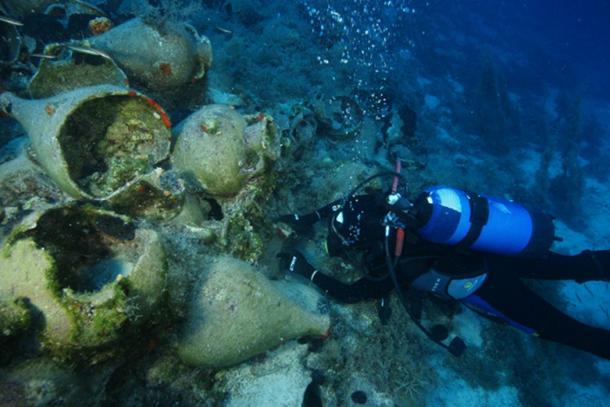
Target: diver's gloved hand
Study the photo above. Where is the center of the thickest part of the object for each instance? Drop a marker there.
(295, 262)
(301, 224)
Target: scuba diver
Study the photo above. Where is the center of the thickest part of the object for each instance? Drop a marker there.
(457, 246)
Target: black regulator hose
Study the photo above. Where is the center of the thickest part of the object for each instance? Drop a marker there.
(369, 179)
(457, 346)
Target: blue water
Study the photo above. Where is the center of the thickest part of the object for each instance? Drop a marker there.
(507, 98)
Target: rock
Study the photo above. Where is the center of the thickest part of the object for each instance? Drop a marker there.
(339, 117)
(219, 97)
(21, 181)
(42, 382)
(279, 380)
(21, 8)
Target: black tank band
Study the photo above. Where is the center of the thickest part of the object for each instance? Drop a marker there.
(479, 215)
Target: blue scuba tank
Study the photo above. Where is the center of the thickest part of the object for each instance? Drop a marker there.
(454, 217)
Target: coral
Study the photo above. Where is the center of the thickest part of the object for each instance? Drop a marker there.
(244, 64)
(162, 11)
(392, 368)
(244, 241)
(242, 225)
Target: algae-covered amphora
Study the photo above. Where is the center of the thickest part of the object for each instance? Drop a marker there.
(67, 70)
(159, 55)
(222, 149)
(91, 276)
(93, 141)
(210, 147)
(237, 313)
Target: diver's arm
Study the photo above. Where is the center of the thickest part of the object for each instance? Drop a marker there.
(371, 200)
(306, 220)
(360, 290)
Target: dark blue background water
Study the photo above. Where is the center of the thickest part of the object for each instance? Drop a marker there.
(535, 45)
(574, 35)
(566, 41)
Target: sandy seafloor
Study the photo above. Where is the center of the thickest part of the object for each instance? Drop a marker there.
(439, 60)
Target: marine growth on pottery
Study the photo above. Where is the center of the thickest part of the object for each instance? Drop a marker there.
(238, 313)
(92, 276)
(159, 55)
(94, 141)
(217, 147)
(72, 70)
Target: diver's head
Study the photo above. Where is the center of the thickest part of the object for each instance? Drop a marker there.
(357, 224)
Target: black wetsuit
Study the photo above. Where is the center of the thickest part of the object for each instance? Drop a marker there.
(503, 293)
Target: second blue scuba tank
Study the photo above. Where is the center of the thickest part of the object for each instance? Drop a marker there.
(478, 222)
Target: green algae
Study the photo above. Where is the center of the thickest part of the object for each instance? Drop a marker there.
(85, 319)
(110, 141)
(26, 271)
(80, 70)
(230, 158)
(15, 317)
(145, 200)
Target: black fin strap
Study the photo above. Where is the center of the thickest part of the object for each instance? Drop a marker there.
(598, 265)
